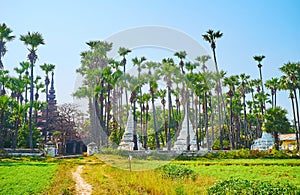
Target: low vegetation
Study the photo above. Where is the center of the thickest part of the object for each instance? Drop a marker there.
(238, 187)
(201, 176)
(26, 177)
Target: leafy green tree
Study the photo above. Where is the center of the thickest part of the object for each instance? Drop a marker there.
(276, 122)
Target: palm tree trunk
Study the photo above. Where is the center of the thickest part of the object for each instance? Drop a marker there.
(219, 94)
(206, 121)
(1, 129)
(155, 123)
(30, 107)
(197, 124)
(188, 139)
(169, 119)
(146, 128)
(135, 141)
(231, 126)
(297, 109)
(295, 124)
(245, 121)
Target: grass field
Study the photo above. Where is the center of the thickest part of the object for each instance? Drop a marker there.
(26, 177)
(52, 176)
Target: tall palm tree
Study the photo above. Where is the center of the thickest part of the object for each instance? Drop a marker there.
(162, 95)
(138, 62)
(244, 90)
(32, 40)
(47, 68)
(152, 80)
(232, 81)
(211, 38)
(123, 52)
(5, 36)
(259, 65)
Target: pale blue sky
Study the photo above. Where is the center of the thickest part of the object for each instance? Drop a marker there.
(250, 28)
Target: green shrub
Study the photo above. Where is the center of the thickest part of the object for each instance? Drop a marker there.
(216, 145)
(177, 172)
(238, 186)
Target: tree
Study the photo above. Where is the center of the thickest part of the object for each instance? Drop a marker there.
(33, 40)
(273, 85)
(5, 36)
(123, 52)
(211, 37)
(259, 59)
(181, 55)
(276, 122)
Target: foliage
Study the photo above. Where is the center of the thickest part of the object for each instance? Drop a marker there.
(239, 186)
(216, 144)
(26, 177)
(177, 171)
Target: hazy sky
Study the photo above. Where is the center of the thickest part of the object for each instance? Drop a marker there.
(268, 27)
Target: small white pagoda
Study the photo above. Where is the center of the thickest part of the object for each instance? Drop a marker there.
(181, 141)
(127, 139)
(266, 142)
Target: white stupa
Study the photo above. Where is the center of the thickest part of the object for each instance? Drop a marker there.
(127, 138)
(266, 142)
(181, 141)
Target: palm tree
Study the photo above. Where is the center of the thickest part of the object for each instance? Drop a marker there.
(4, 103)
(232, 81)
(273, 84)
(152, 79)
(202, 60)
(181, 55)
(211, 37)
(146, 97)
(47, 68)
(138, 62)
(259, 59)
(162, 95)
(5, 36)
(123, 52)
(33, 40)
(244, 90)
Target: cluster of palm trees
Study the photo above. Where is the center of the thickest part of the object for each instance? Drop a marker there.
(238, 115)
(19, 96)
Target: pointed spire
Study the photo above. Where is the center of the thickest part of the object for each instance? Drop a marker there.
(52, 96)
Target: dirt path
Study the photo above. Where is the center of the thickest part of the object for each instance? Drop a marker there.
(82, 188)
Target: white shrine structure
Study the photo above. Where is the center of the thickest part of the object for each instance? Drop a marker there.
(127, 138)
(266, 142)
(181, 141)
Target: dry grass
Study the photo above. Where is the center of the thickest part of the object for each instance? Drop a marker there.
(106, 179)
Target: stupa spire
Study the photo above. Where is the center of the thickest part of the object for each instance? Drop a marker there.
(52, 95)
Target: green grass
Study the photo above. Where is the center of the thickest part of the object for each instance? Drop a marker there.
(281, 173)
(26, 177)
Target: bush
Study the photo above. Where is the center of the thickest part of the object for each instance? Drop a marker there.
(177, 172)
(216, 145)
(238, 186)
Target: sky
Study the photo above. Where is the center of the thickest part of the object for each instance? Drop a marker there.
(255, 27)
